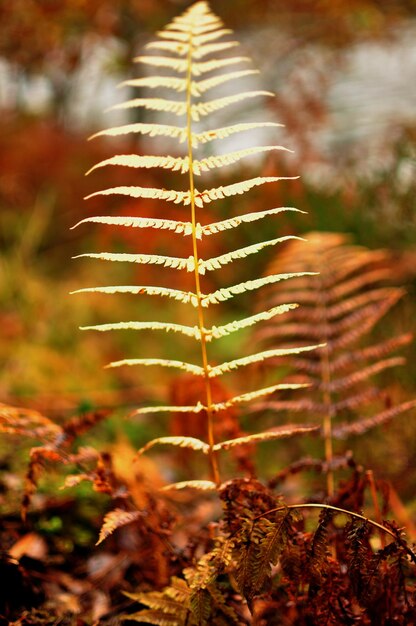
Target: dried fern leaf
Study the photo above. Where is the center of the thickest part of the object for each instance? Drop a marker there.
(160, 601)
(179, 65)
(229, 292)
(115, 519)
(153, 82)
(188, 331)
(184, 228)
(153, 130)
(253, 395)
(226, 131)
(218, 193)
(153, 104)
(362, 425)
(170, 409)
(257, 358)
(199, 485)
(177, 263)
(175, 294)
(151, 193)
(346, 382)
(232, 157)
(283, 431)
(153, 616)
(216, 263)
(232, 222)
(221, 331)
(196, 370)
(216, 64)
(209, 48)
(205, 108)
(133, 160)
(378, 351)
(181, 442)
(203, 86)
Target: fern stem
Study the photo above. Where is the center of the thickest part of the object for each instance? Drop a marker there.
(327, 418)
(316, 505)
(212, 456)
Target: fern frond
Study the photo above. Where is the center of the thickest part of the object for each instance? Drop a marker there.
(151, 193)
(182, 228)
(288, 430)
(197, 408)
(177, 263)
(222, 331)
(133, 160)
(346, 382)
(199, 485)
(216, 64)
(232, 157)
(216, 263)
(153, 130)
(257, 358)
(153, 104)
(175, 294)
(362, 425)
(205, 108)
(153, 82)
(232, 222)
(116, 519)
(181, 442)
(205, 85)
(159, 601)
(226, 131)
(209, 48)
(158, 618)
(188, 331)
(229, 292)
(196, 370)
(253, 395)
(179, 65)
(218, 193)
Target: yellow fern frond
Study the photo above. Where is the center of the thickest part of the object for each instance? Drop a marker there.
(182, 228)
(153, 82)
(213, 162)
(177, 263)
(175, 294)
(232, 222)
(197, 408)
(202, 86)
(179, 65)
(222, 331)
(151, 193)
(188, 331)
(153, 104)
(257, 358)
(226, 131)
(199, 485)
(136, 161)
(205, 38)
(205, 108)
(153, 130)
(284, 431)
(209, 48)
(178, 48)
(216, 263)
(215, 64)
(254, 395)
(181, 442)
(190, 368)
(218, 193)
(229, 292)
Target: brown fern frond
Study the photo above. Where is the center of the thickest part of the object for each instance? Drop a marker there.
(116, 519)
(337, 309)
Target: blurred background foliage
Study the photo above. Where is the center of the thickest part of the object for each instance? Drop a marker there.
(343, 72)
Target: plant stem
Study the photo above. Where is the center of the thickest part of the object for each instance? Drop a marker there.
(212, 456)
(315, 505)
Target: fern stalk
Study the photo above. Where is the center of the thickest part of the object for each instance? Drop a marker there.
(212, 456)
